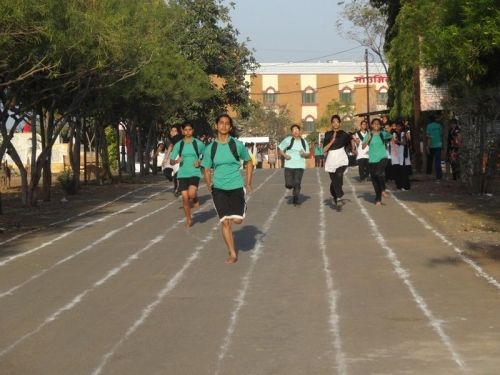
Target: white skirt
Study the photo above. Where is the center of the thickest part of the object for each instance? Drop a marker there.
(336, 159)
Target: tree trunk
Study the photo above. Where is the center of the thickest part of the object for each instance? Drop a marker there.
(140, 152)
(131, 149)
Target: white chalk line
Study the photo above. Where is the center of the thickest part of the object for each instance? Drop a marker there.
(75, 216)
(404, 275)
(79, 298)
(478, 270)
(245, 284)
(170, 285)
(333, 295)
(87, 248)
(82, 226)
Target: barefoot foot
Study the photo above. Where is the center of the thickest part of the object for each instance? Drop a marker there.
(231, 260)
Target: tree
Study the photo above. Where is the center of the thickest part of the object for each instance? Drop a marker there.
(270, 122)
(346, 111)
(367, 26)
(458, 40)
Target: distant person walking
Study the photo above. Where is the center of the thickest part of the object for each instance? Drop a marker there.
(295, 150)
(272, 155)
(434, 131)
(223, 156)
(319, 156)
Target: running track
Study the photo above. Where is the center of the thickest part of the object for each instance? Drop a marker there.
(125, 288)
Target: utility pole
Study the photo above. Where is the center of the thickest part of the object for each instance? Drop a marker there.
(367, 89)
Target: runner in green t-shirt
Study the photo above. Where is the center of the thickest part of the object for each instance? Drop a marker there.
(224, 156)
(377, 158)
(187, 153)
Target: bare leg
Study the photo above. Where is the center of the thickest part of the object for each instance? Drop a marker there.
(187, 209)
(192, 192)
(227, 235)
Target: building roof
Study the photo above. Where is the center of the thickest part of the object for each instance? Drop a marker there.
(333, 67)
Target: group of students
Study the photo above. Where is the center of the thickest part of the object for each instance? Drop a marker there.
(187, 159)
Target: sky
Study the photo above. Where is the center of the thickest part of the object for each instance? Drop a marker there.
(293, 30)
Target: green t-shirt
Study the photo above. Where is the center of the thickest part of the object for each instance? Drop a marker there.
(227, 175)
(435, 132)
(377, 149)
(187, 168)
(296, 160)
(318, 151)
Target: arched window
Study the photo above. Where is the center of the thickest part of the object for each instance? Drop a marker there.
(270, 96)
(309, 124)
(346, 95)
(382, 96)
(309, 96)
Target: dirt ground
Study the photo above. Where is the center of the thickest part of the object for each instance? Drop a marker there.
(471, 222)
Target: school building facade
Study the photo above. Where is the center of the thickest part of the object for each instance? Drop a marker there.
(306, 89)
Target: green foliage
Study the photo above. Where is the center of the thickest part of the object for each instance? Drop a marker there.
(66, 182)
(270, 122)
(112, 149)
(344, 110)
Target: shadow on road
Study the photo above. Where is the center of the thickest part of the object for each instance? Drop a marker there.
(246, 238)
(201, 217)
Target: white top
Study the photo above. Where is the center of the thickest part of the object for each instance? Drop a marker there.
(361, 153)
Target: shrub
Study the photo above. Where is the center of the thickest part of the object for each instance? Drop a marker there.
(66, 182)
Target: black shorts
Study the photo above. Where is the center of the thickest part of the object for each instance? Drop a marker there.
(229, 204)
(186, 182)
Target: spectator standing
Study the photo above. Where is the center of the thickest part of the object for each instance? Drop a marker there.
(434, 132)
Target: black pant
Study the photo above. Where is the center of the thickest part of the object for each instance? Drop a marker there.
(293, 179)
(363, 169)
(337, 180)
(377, 172)
(401, 176)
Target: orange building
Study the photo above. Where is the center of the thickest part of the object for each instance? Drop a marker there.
(306, 89)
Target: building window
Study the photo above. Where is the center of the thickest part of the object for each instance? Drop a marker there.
(382, 96)
(346, 95)
(309, 125)
(270, 96)
(309, 96)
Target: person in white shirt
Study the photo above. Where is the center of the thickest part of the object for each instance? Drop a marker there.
(362, 153)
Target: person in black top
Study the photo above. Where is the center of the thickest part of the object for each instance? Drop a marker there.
(336, 157)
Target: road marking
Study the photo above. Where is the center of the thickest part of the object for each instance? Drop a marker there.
(240, 299)
(67, 233)
(107, 236)
(170, 285)
(333, 295)
(404, 275)
(479, 271)
(76, 216)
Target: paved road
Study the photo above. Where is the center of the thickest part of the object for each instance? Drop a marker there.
(127, 289)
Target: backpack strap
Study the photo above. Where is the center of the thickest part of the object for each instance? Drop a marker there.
(290, 145)
(293, 140)
(234, 149)
(195, 146)
(360, 136)
(303, 143)
(181, 147)
(232, 146)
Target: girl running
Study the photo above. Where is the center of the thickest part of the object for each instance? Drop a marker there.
(377, 158)
(223, 156)
(187, 154)
(336, 157)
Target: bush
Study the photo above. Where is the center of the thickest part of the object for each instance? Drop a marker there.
(66, 182)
